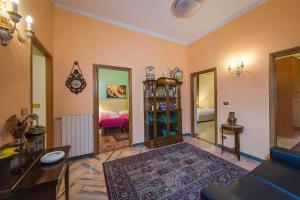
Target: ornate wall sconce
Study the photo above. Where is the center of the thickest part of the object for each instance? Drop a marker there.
(237, 68)
(9, 18)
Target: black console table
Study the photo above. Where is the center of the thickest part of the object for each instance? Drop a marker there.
(24, 177)
(236, 130)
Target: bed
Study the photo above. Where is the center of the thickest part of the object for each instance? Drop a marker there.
(205, 114)
(110, 120)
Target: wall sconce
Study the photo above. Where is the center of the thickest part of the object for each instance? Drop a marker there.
(238, 68)
(9, 18)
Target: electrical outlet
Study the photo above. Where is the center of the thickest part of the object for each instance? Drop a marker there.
(23, 112)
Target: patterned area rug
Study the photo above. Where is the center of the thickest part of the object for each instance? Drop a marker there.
(177, 171)
(296, 147)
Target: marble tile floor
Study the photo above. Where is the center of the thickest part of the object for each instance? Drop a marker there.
(87, 178)
(288, 143)
(108, 143)
(206, 131)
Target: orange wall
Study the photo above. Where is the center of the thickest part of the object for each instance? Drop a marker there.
(268, 28)
(94, 42)
(15, 62)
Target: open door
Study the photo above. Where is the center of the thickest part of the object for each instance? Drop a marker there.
(204, 106)
(42, 89)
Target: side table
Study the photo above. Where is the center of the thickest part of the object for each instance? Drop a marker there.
(236, 130)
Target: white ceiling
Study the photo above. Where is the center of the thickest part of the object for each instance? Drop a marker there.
(154, 17)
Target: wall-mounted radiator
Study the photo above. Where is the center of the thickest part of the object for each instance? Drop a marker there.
(77, 131)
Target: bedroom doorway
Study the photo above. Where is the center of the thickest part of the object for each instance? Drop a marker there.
(112, 107)
(204, 105)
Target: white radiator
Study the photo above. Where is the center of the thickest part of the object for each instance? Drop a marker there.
(77, 131)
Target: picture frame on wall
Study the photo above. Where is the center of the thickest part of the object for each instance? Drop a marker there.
(116, 91)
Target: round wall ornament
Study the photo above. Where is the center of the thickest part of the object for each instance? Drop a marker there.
(76, 82)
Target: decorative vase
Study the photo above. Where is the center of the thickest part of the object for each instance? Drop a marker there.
(231, 119)
(177, 74)
(150, 73)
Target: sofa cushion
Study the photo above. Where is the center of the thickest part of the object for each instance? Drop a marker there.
(290, 157)
(250, 188)
(280, 174)
(215, 192)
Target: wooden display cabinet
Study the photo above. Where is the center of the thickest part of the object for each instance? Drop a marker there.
(162, 112)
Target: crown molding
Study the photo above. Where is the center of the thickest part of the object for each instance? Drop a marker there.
(228, 19)
(116, 22)
(155, 34)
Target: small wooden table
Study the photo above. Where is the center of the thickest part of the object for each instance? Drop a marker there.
(237, 130)
(42, 182)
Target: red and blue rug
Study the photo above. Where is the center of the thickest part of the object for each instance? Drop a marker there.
(177, 171)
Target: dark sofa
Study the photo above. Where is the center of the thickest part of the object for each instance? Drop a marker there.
(275, 179)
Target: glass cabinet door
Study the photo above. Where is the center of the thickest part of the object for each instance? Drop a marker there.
(149, 125)
(161, 110)
(174, 122)
(161, 124)
(149, 110)
(174, 107)
(173, 97)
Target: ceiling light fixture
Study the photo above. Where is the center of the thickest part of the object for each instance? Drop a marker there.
(186, 8)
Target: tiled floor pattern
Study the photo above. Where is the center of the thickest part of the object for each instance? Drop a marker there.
(108, 143)
(288, 142)
(206, 131)
(87, 178)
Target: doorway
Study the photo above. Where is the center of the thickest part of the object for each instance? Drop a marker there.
(285, 98)
(42, 89)
(112, 108)
(204, 105)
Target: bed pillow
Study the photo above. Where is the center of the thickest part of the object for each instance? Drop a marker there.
(123, 112)
(108, 113)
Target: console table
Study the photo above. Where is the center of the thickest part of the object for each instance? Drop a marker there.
(24, 177)
(42, 182)
(236, 130)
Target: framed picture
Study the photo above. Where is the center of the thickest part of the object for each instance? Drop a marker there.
(116, 91)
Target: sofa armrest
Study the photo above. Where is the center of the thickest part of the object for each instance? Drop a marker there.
(215, 192)
(286, 156)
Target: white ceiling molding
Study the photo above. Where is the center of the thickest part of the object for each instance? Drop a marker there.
(115, 22)
(183, 41)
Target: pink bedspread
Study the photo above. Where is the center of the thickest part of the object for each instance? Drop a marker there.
(109, 122)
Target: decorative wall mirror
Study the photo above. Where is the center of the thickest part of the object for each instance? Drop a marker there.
(76, 82)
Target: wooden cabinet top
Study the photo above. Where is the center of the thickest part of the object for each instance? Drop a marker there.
(164, 81)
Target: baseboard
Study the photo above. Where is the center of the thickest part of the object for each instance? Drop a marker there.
(187, 134)
(137, 144)
(252, 157)
(245, 155)
(81, 157)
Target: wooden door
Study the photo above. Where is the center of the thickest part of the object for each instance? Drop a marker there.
(284, 97)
